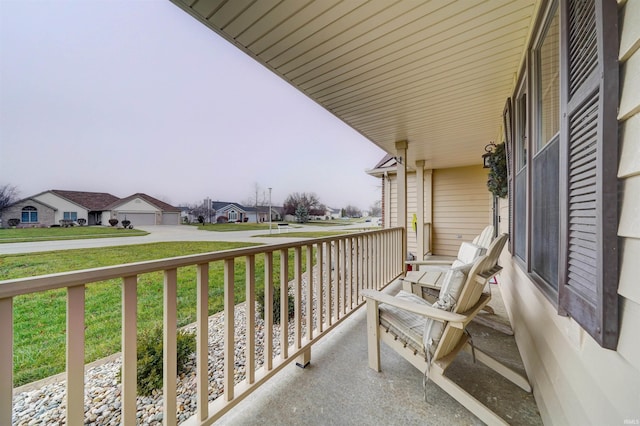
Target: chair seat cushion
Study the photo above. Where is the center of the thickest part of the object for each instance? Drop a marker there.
(420, 332)
(406, 325)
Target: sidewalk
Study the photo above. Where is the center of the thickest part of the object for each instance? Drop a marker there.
(163, 233)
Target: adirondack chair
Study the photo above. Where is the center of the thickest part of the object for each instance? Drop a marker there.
(431, 274)
(430, 336)
(478, 246)
(427, 282)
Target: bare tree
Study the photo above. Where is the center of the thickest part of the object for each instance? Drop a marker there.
(308, 200)
(352, 211)
(8, 195)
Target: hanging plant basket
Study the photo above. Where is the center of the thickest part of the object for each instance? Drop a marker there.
(497, 180)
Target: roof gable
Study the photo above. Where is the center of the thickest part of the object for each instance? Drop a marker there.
(30, 200)
(225, 205)
(89, 200)
(161, 205)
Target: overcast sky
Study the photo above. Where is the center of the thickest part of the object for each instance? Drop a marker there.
(126, 96)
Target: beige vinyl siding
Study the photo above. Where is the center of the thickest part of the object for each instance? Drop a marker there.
(391, 206)
(575, 381)
(629, 175)
(461, 207)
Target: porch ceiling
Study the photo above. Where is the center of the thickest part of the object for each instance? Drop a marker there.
(435, 73)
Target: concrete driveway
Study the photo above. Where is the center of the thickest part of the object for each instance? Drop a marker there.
(163, 233)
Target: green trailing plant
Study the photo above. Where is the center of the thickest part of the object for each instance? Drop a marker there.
(276, 304)
(497, 180)
(149, 367)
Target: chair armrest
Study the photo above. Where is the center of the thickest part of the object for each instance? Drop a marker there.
(416, 308)
(429, 262)
(486, 276)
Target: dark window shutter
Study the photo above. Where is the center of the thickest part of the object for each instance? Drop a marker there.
(589, 153)
(507, 117)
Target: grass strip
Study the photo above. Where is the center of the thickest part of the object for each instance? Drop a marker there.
(39, 318)
(21, 235)
(306, 234)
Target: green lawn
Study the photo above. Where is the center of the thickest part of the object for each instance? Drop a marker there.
(20, 235)
(309, 234)
(39, 319)
(229, 227)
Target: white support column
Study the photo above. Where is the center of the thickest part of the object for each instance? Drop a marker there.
(401, 154)
(420, 207)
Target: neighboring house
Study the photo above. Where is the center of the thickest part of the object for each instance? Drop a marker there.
(262, 213)
(31, 213)
(232, 212)
(257, 214)
(334, 213)
(186, 215)
(142, 209)
(51, 207)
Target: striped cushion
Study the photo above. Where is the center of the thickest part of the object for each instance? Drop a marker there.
(406, 325)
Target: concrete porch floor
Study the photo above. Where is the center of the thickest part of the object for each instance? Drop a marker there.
(338, 387)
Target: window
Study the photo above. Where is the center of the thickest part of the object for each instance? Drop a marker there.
(70, 216)
(547, 62)
(521, 127)
(544, 189)
(520, 183)
(29, 215)
(565, 189)
(233, 215)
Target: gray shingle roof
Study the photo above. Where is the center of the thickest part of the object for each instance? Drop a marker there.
(88, 200)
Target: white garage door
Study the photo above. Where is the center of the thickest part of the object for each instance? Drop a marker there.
(138, 219)
(171, 218)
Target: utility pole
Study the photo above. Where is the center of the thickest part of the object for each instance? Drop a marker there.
(269, 210)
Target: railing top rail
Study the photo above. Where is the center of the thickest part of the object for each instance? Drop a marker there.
(19, 286)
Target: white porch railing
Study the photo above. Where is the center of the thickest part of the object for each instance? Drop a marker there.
(336, 270)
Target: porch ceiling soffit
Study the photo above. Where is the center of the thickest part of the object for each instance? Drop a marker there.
(435, 73)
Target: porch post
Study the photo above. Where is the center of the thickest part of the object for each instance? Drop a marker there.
(420, 209)
(428, 213)
(401, 153)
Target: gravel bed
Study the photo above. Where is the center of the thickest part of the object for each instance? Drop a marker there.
(46, 405)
